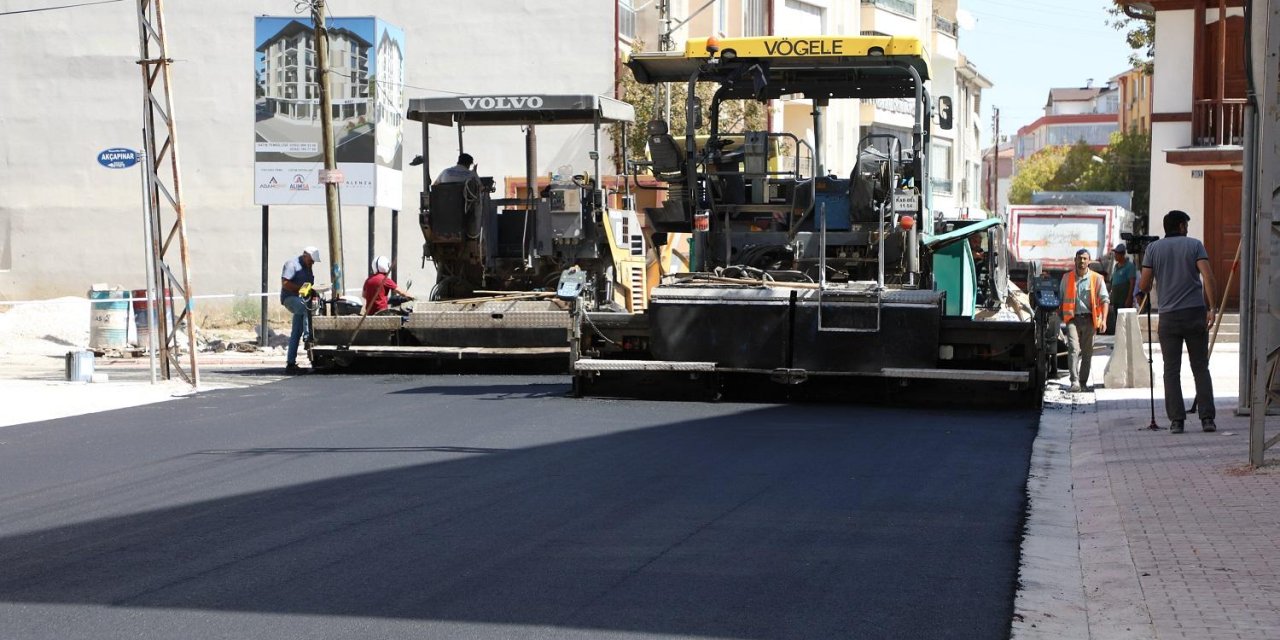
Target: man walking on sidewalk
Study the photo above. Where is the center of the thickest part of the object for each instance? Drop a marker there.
(1181, 265)
(1084, 312)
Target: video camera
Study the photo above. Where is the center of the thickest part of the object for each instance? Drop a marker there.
(1136, 243)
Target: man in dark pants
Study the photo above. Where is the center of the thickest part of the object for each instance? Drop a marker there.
(1181, 265)
(295, 287)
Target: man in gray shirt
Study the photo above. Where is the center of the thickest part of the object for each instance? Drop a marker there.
(1181, 265)
(460, 172)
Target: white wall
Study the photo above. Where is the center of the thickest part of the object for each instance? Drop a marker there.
(1071, 107)
(1172, 185)
(1171, 86)
(73, 89)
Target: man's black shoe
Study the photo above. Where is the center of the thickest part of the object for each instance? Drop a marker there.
(1175, 426)
(1209, 425)
(293, 370)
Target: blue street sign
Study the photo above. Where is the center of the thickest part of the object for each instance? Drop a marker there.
(118, 158)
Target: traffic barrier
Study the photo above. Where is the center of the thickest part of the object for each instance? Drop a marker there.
(1127, 368)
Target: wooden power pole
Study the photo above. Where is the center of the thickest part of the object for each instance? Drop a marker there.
(330, 176)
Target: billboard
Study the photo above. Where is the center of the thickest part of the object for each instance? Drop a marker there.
(366, 91)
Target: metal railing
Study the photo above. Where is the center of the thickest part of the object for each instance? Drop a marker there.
(905, 7)
(1216, 123)
(946, 26)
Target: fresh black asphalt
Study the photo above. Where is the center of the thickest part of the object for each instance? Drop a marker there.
(497, 507)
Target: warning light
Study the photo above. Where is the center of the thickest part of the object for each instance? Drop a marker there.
(701, 221)
(713, 45)
(906, 222)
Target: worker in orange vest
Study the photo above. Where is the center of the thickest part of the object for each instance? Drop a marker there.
(1084, 312)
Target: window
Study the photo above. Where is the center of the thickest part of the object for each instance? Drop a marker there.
(905, 7)
(754, 18)
(800, 18)
(722, 13)
(940, 167)
(6, 241)
(626, 19)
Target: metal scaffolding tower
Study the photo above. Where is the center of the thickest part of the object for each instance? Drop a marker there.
(164, 199)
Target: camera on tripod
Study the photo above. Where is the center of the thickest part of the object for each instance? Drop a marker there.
(1136, 243)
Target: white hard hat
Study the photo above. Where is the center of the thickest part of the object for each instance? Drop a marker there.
(313, 252)
(381, 264)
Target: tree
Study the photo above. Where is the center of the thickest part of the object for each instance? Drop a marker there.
(1125, 166)
(1035, 172)
(1139, 34)
(736, 116)
(1057, 168)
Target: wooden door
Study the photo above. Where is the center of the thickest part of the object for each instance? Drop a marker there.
(1214, 65)
(1222, 193)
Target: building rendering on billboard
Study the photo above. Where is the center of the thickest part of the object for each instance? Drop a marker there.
(366, 91)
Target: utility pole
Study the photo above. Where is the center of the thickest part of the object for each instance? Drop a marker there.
(995, 164)
(665, 44)
(164, 198)
(330, 175)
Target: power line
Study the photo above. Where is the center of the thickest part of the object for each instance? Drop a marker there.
(65, 6)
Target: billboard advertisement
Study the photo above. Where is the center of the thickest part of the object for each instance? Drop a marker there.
(366, 91)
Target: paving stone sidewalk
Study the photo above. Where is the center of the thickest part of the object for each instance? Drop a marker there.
(1149, 534)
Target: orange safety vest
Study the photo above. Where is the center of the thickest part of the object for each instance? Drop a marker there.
(1095, 299)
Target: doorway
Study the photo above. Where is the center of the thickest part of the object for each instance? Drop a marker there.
(1222, 193)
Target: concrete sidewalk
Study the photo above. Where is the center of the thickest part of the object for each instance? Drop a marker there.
(1134, 533)
(35, 387)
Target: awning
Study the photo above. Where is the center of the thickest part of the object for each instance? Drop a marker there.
(519, 109)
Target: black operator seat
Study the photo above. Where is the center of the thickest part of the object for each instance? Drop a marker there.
(454, 206)
(667, 156)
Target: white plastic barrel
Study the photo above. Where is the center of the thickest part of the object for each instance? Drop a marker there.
(108, 319)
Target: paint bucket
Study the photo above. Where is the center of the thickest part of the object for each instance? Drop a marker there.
(79, 366)
(108, 318)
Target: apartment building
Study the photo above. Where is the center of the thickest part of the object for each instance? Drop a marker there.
(289, 74)
(1073, 114)
(1135, 100)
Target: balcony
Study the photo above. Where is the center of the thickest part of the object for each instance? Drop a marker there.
(1217, 123)
(943, 25)
(904, 7)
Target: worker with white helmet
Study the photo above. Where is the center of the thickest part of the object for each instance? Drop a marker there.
(296, 282)
(378, 285)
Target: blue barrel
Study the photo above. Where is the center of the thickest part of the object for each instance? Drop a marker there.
(108, 319)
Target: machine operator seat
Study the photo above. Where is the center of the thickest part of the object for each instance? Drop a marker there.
(862, 204)
(455, 209)
(667, 156)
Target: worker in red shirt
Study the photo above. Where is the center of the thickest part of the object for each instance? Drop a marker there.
(377, 286)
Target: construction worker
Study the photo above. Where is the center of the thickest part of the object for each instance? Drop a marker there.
(377, 286)
(296, 280)
(460, 172)
(1084, 312)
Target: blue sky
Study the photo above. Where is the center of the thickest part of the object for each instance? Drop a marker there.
(1026, 47)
